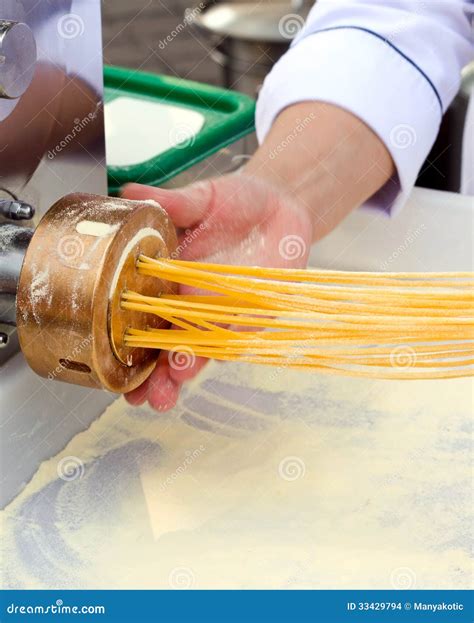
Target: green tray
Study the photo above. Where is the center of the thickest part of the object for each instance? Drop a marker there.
(228, 116)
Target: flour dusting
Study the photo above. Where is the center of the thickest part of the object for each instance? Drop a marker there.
(259, 478)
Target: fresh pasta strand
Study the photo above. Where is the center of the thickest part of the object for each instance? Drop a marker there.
(374, 325)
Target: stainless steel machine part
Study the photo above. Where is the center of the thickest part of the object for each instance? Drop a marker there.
(51, 109)
(51, 144)
(16, 210)
(18, 57)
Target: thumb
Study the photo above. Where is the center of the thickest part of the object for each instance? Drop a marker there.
(186, 206)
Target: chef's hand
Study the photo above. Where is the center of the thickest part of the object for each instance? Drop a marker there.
(317, 163)
(234, 219)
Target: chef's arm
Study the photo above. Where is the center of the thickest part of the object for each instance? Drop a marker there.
(393, 64)
(324, 157)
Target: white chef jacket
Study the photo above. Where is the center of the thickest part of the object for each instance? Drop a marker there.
(395, 64)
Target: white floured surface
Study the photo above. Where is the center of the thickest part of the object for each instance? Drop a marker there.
(260, 478)
(138, 130)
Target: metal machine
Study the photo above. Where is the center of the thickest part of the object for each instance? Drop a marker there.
(51, 143)
(64, 252)
(51, 124)
(58, 280)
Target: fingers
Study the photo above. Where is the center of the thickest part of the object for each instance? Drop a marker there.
(138, 396)
(179, 375)
(162, 390)
(185, 206)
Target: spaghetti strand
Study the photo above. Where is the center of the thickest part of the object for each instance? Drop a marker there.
(374, 325)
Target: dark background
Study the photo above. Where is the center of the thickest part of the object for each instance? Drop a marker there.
(133, 29)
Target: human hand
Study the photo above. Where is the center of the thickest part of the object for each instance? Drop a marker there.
(235, 219)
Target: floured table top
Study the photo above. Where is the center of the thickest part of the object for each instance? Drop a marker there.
(259, 478)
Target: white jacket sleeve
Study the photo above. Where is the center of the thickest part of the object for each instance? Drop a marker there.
(396, 64)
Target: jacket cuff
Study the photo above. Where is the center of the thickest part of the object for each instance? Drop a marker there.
(363, 74)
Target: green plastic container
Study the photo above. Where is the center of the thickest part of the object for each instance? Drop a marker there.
(228, 117)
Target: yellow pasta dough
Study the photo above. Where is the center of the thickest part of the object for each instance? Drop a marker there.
(384, 325)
